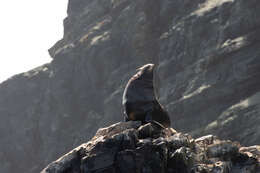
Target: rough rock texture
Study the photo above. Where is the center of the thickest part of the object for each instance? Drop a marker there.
(207, 52)
(132, 148)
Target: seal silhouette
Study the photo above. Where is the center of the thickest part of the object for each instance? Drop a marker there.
(139, 100)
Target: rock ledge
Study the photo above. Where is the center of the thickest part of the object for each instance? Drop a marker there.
(130, 147)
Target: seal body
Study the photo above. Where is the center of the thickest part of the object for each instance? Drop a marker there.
(139, 100)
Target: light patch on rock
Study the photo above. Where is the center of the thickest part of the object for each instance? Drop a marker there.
(64, 48)
(235, 43)
(35, 71)
(84, 38)
(251, 101)
(229, 119)
(212, 125)
(209, 5)
(45, 69)
(254, 100)
(95, 39)
(97, 27)
(30, 74)
(196, 92)
(102, 37)
(242, 104)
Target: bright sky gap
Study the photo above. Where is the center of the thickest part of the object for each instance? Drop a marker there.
(28, 29)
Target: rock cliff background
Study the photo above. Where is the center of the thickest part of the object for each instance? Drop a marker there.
(208, 58)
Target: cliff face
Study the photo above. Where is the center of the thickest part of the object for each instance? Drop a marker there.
(207, 54)
(132, 148)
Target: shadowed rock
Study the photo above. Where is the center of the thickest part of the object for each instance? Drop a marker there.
(129, 147)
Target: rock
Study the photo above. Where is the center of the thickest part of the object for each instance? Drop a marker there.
(114, 129)
(207, 54)
(252, 151)
(150, 129)
(224, 148)
(154, 154)
(222, 167)
(206, 140)
(178, 140)
(182, 160)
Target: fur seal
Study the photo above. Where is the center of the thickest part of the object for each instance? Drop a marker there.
(139, 100)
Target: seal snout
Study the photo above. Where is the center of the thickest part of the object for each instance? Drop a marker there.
(147, 67)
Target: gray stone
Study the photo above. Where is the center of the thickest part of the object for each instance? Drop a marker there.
(107, 153)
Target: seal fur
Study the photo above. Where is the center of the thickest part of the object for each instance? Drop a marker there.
(139, 100)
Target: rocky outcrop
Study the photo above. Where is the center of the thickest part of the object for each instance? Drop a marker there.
(130, 147)
(207, 53)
